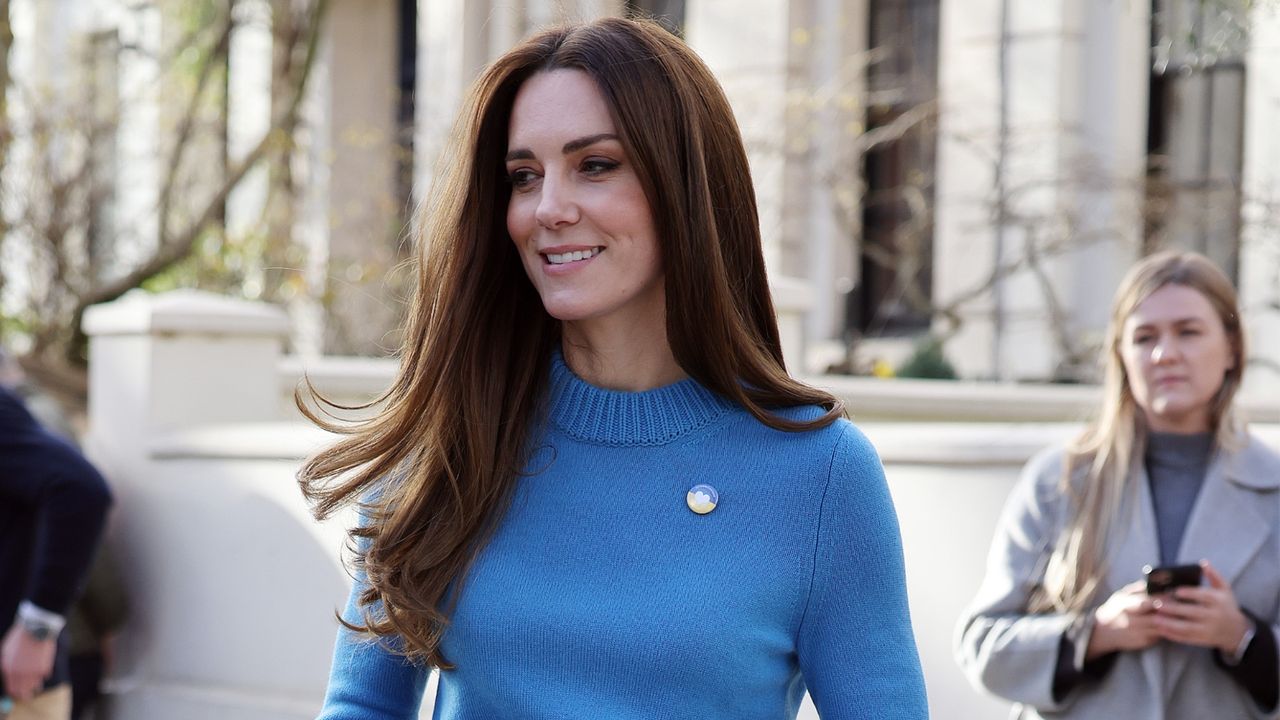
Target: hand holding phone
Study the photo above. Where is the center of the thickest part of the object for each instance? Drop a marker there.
(1166, 578)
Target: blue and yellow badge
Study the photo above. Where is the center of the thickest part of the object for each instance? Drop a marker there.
(702, 499)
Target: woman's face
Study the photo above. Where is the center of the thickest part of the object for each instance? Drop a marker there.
(577, 214)
(1176, 354)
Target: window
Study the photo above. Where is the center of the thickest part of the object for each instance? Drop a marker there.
(893, 293)
(406, 80)
(1195, 137)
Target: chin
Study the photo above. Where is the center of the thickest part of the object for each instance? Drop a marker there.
(1174, 414)
(567, 311)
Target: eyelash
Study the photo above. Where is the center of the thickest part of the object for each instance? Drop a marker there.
(521, 178)
(1139, 340)
(592, 167)
(598, 166)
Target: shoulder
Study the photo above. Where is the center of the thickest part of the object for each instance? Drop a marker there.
(1255, 464)
(834, 443)
(1038, 496)
(1045, 469)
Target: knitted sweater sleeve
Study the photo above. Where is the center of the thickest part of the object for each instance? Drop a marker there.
(856, 648)
(368, 681)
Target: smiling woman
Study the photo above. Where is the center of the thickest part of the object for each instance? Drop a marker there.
(581, 223)
(1064, 625)
(594, 491)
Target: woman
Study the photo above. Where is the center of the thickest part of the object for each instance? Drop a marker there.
(1063, 624)
(593, 491)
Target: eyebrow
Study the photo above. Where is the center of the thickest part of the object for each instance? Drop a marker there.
(1176, 322)
(569, 147)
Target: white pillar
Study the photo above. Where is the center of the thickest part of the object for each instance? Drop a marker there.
(139, 177)
(1259, 246)
(451, 50)
(248, 110)
(759, 51)
(748, 45)
(823, 209)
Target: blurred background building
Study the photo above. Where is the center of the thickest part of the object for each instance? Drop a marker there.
(979, 172)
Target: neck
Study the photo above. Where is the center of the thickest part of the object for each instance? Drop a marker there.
(630, 354)
(1191, 423)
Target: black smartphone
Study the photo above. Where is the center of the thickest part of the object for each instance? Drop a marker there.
(1167, 577)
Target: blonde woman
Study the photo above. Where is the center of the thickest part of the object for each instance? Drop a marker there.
(1064, 624)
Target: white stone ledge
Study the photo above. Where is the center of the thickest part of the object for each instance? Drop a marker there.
(340, 377)
(868, 399)
(964, 444)
(184, 312)
(291, 441)
(873, 399)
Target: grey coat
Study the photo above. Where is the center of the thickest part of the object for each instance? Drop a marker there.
(1235, 524)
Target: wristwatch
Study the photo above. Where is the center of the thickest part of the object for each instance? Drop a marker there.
(1235, 657)
(38, 622)
(38, 630)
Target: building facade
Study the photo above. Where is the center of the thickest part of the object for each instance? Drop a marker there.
(981, 171)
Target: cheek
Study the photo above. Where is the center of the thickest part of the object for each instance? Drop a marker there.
(1131, 359)
(518, 220)
(513, 227)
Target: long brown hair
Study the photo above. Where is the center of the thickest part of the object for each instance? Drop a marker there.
(434, 470)
(1105, 452)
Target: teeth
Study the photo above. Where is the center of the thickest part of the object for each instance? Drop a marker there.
(562, 258)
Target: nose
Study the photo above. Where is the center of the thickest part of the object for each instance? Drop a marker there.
(556, 205)
(1164, 351)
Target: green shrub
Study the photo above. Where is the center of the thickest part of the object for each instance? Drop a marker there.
(928, 361)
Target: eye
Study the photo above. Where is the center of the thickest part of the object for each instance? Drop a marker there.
(598, 166)
(521, 178)
(1189, 332)
(1143, 338)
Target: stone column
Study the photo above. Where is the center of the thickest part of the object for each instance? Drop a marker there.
(248, 109)
(748, 45)
(826, 115)
(768, 55)
(1259, 240)
(452, 47)
(364, 209)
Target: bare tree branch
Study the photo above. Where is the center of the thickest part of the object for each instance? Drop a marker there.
(180, 246)
(180, 145)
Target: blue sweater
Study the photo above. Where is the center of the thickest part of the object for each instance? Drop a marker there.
(603, 595)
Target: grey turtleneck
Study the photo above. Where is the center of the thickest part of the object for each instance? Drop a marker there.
(1176, 466)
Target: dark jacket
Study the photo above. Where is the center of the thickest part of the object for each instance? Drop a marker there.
(53, 505)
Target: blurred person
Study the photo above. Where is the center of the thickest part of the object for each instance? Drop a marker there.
(53, 505)
(102, 607)
(1063, 624)
(594, 491)
(95, 620)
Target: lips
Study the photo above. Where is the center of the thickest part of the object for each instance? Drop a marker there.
(566, 256)
(561, 259)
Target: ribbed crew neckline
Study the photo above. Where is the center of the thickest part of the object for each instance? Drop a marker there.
(621, 418)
